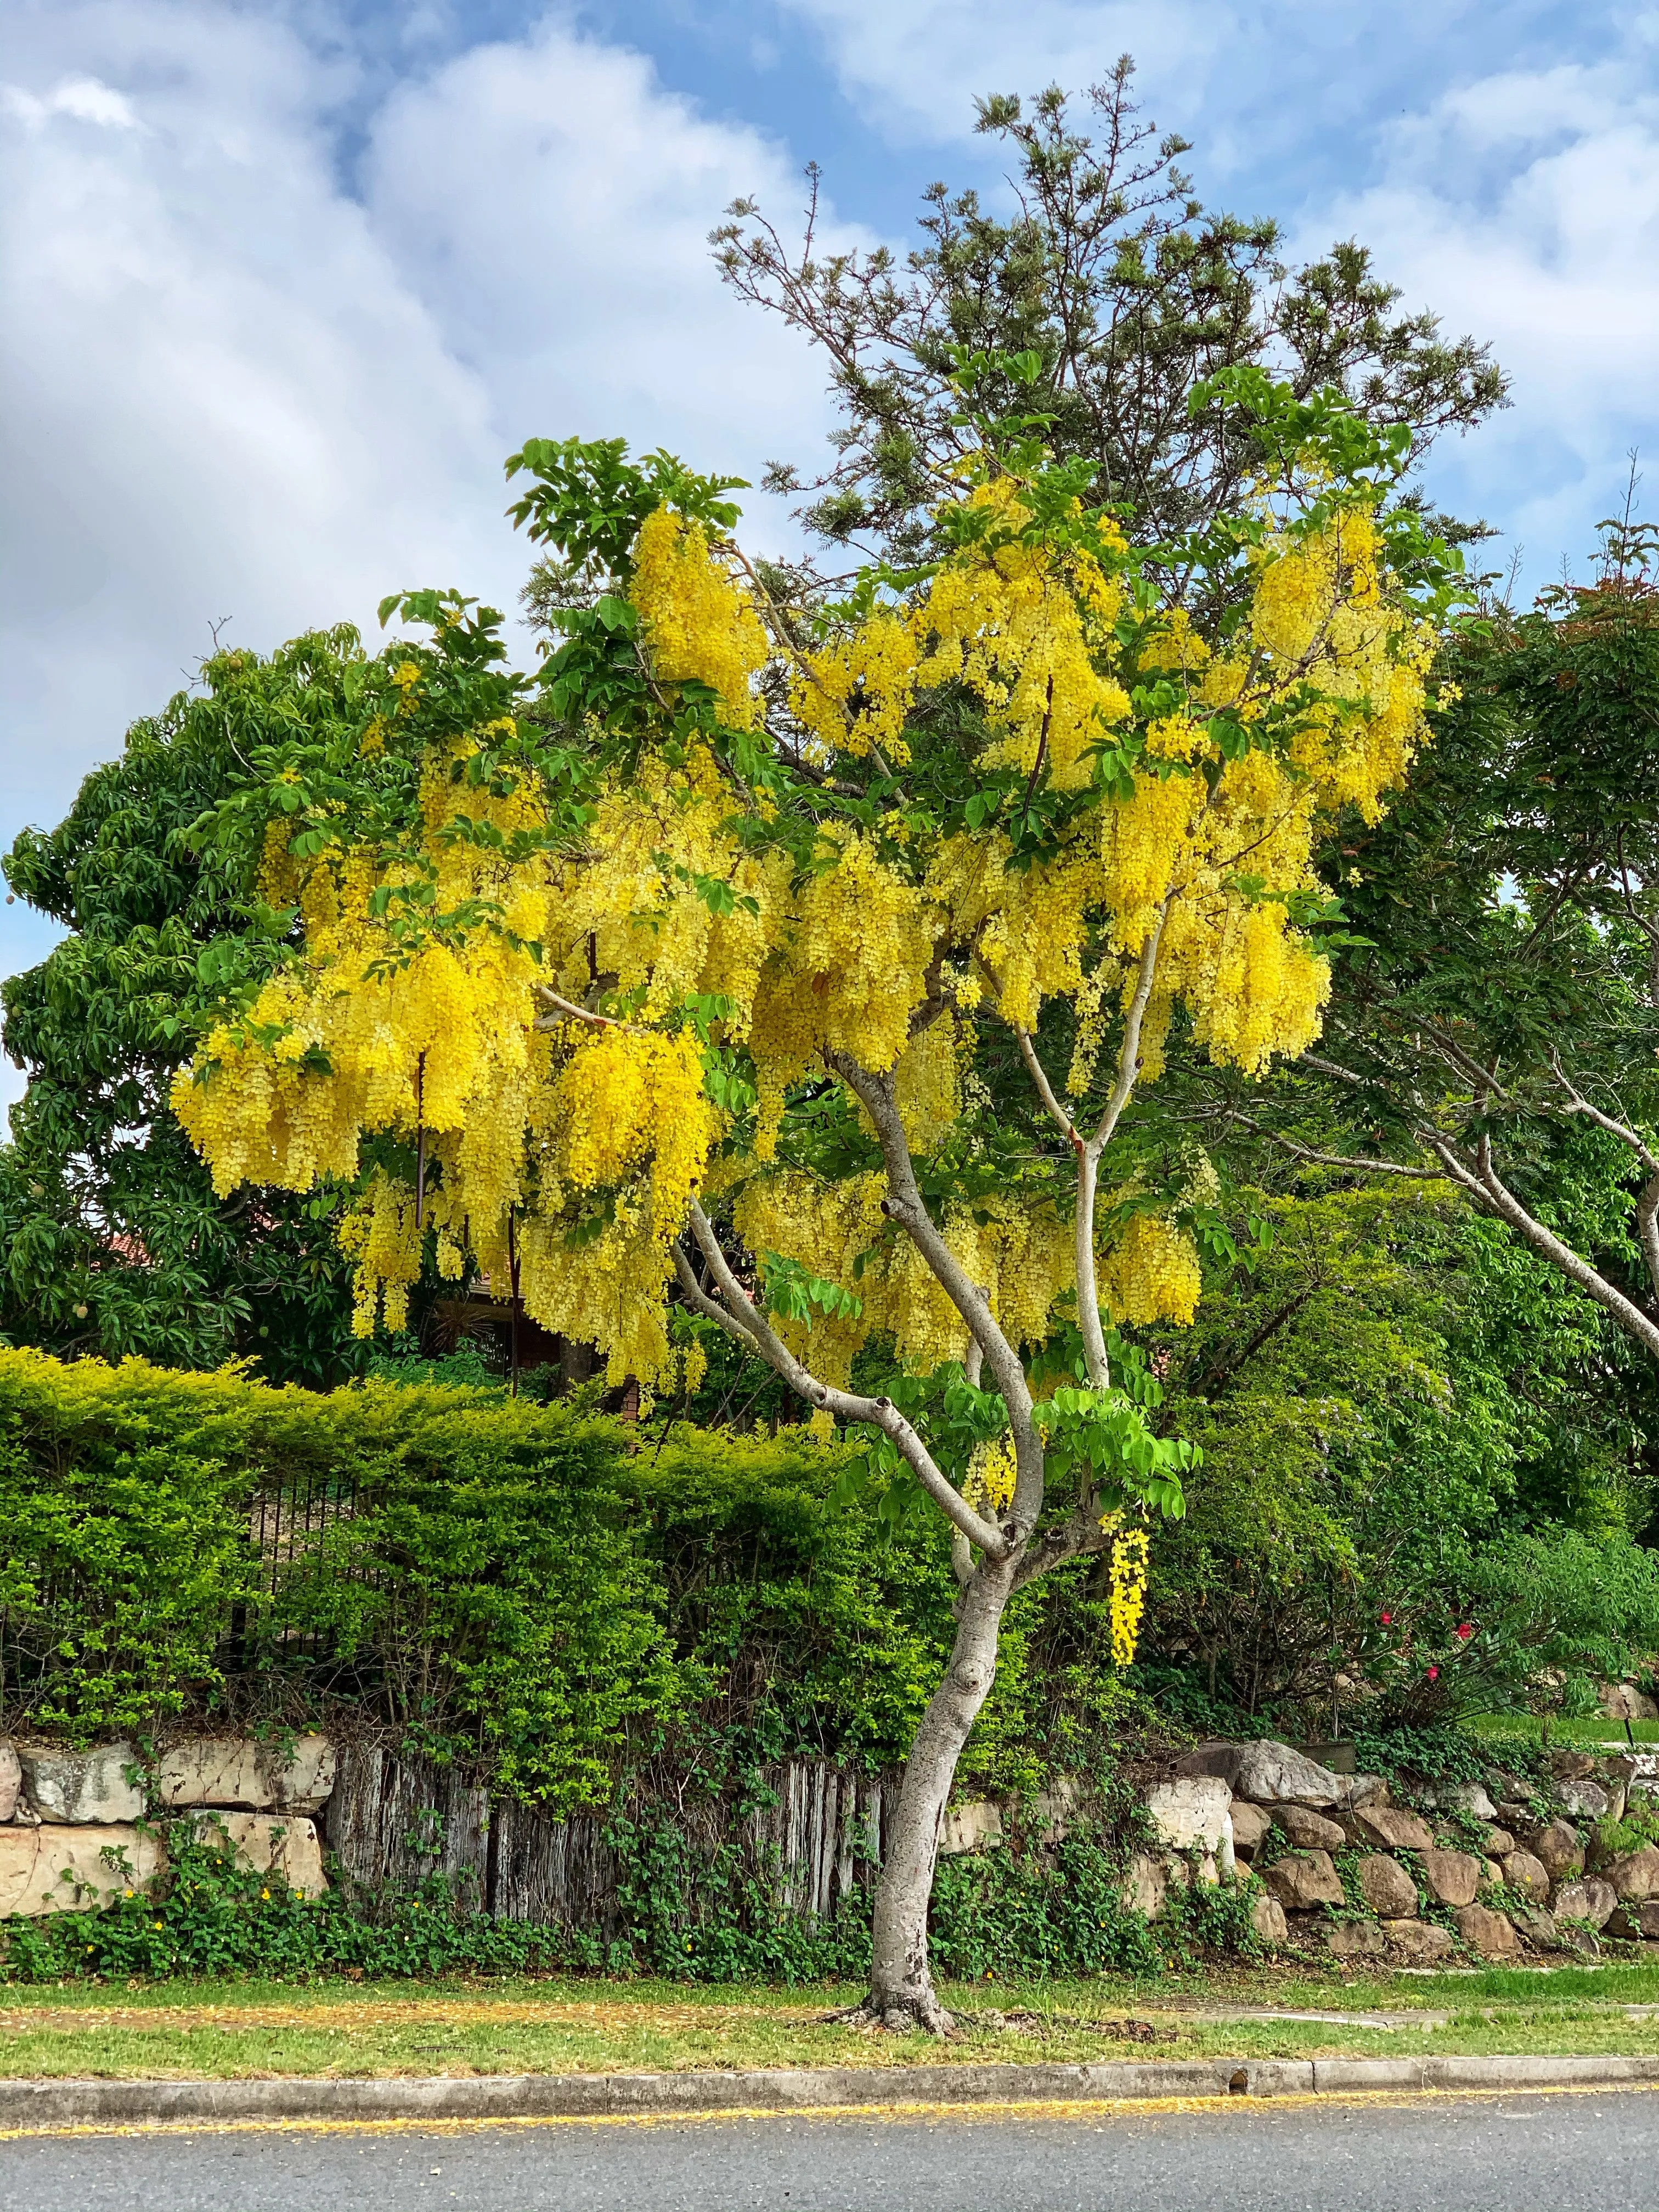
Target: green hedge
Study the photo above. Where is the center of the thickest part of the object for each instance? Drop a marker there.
(550, 1597)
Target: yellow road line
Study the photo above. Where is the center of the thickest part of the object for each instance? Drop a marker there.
(1049, 2108)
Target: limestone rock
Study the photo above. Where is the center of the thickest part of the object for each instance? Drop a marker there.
(73, 1787)
(969, 1827)
(1622, 1701)
(1557, 1846)
(1468, 1797)
(284, 1844)
(1367, 1790)
(1492, 1873)
(1453, 1877)
(1635, 1877)
(1500, 1843)
(1267, 1917)
(1394, 1829)
(1419, 1942)
(1051, 1809)
(1486, 1931)
(1309, 1830)
(1590, 1799)
(1145, 1885)
(1582, 1940)
(1634, 1922)
(1522, 1871)
(1571, 1766)
(1304, 1880)
(1190, 1811)
(1516, 1815)
(1251, 1824)
(1537, 1926)
(235, 1771)
(1355, 1939)
(1591, 1900)
(11, 1779)
(1387, 1887)
(1266, 1773)
(51, 1869)
(1503, 1785)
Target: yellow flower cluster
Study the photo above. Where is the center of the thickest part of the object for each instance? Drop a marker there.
(1129, 1592)
(1152, 1272)
(1018, 1249)
(619, 1139)
(699, 623)
(992, 1472)
(379, 1235)
(855, 693)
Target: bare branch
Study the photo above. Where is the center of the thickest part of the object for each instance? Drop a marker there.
(1334, 1159)
(749, 1325)
(1088, 1158)
(1128, 1058)
(1072, 1540)
(1647, 1228)
(905, 1204)
(568, 1008)
(1483, 1184)
(1577, 1103)
(1045, 1092)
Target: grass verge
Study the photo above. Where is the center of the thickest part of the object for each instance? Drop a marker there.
(239, 2029)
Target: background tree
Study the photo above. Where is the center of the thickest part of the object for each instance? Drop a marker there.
(113, 1241)
(1495, 1022)
(680, 978)
(1131, 296)
(1416, 1435)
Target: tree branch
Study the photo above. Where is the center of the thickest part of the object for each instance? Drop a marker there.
(1075, 1538)
(905, 1204)
(1483, 1184)
(1333, 1159)
(740, 1318)
(1088, 1159)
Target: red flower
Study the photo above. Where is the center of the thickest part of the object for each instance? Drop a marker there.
(1434, 1673)
(1386, 1620)
(1464, 1630)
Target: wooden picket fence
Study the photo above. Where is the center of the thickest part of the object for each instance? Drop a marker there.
(395, 1822)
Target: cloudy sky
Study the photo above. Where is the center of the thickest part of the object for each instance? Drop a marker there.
(281, 280)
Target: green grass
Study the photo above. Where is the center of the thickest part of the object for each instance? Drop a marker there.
(1525, 1729)
(226, 2029)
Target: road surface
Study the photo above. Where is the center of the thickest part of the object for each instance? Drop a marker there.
(1586, 2151)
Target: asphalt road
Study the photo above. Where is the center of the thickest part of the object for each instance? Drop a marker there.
(1578, 2151)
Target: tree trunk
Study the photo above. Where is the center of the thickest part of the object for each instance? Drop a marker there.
(901, 1986)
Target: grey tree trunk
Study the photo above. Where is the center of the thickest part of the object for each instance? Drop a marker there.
(900, 1985)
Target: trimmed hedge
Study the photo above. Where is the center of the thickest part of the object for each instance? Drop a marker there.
(548, 1597)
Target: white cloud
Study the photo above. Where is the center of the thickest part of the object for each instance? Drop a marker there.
(83, 97)
(233, 388)
(551, 204)
(1525, 207)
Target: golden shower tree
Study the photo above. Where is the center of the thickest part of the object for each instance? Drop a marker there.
(666, 982)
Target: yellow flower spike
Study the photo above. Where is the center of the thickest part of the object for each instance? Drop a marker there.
(699, 623)
(1129, 1592)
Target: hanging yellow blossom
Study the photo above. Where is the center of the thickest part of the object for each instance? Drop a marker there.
(698, 622)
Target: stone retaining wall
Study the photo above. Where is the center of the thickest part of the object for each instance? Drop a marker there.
(1490, 1866)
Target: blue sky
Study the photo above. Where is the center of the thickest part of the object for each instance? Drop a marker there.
(281, 280)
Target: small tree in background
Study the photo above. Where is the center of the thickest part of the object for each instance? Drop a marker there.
(682, 985)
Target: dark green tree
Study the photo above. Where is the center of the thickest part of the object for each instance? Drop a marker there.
(1126, 289)
(1496, 1021)
(112, 1240)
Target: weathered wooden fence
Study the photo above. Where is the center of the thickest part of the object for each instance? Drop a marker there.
(394, 1822)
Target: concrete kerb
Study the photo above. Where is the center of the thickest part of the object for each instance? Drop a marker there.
(39, 2106)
